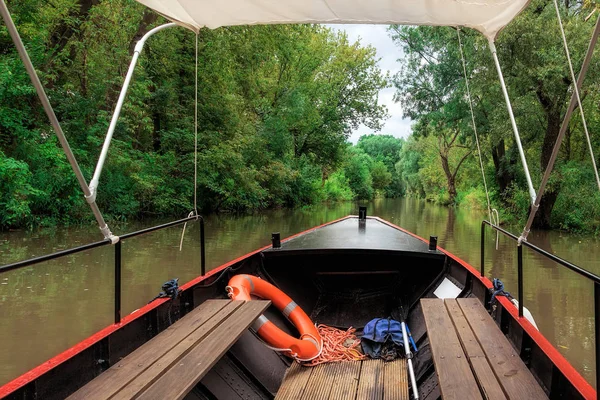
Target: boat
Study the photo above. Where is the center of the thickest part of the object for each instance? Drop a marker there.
(459, 334)
(343, 274)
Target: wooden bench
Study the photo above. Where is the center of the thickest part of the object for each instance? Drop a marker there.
(173, 362)
(353, 380)
(473, 359)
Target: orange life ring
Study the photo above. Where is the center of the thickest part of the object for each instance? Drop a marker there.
(306, 348)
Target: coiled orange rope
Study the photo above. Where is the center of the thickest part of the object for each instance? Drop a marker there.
(338, 345)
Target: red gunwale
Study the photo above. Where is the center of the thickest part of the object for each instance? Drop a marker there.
(583, 387)
(43, 368)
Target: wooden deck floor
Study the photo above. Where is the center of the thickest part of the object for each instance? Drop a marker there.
(370, 379)
(473, 359)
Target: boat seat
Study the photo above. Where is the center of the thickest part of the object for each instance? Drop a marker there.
(173, 362)
(472, 357)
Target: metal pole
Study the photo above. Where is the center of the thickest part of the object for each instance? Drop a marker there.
(520, 277)
(512, 121)
(409, 356)
(16, 38)
(202, 249)
(483, 248)
(561, 133)
(118, 282)
(597, 329)
(113, 122)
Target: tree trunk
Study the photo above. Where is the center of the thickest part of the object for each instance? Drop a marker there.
(450, 177)
(503, 166)
(62, 33)
(148, 19)
(542, 218)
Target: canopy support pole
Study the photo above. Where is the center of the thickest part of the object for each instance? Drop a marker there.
(113, 122)
(512, 121)
(561, 133)
(16, 38)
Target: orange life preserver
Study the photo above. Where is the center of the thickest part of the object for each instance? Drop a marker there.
(306, 348)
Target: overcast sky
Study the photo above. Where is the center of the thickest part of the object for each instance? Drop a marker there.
(377, 36)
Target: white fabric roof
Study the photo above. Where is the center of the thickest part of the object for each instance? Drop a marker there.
(487, 16)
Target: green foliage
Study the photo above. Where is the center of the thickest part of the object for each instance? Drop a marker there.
(358, 172)
(438, 161)
(15, 191)
(337, 188)
(276, 106)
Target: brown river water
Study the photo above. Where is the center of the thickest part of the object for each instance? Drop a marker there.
(49, 307)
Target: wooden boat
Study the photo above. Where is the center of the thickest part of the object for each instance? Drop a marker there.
(473, 342)
(343, 274)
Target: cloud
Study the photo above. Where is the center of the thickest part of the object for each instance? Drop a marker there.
(388, 54)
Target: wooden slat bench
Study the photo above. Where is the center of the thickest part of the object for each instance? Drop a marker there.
(354, 380)
(173, 362)
(473, 359)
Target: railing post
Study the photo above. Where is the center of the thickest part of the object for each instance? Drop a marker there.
(118, 282)
(202, 249)
(483, 248)
(597, 329)
(520, 277)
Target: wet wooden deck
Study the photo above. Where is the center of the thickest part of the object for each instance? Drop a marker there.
(370, 379)
(473, 359)
(172, 363)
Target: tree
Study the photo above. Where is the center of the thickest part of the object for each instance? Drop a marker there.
(429, 87)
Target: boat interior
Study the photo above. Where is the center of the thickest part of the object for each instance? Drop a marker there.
(342, 274)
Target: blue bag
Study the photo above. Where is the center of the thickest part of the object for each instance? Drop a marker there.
(382, 338)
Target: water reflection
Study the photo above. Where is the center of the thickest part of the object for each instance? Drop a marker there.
(47, 308)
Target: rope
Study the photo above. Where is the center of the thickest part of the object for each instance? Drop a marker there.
(487, 195)
(576, 89)
(338, 345)
(196, 134)
(195, 211)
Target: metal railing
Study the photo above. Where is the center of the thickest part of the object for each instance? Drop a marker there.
(582, 272)
(118, 261)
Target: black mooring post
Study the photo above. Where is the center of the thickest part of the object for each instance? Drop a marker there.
(362, 213)
(520, 277)
(118, 282)
(276, 240)
(202, 249)
(433, 243)
(482, 248)
(597, 329)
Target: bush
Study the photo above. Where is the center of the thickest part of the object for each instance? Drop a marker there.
(337, 188)
(16, 192)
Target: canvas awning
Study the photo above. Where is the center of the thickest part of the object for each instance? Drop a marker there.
(487, 16)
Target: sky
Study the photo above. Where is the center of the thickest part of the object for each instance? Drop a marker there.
(388, 53)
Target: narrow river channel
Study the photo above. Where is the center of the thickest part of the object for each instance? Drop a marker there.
(47, 308)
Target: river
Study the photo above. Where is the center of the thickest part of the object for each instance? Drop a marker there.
(49, 307)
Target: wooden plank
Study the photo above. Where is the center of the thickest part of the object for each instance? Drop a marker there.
(484, 375)
(512, 373)
(345, 383)
(455, 377)
(151, 373)
(123, 372)
(395, 378)
(319, 385)
(294, 382)
(370, 384)
(187, 371)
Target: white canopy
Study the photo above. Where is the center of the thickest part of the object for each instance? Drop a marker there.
(487, 16)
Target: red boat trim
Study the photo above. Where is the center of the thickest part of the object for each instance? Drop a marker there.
(43, 368)
(578, 382)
